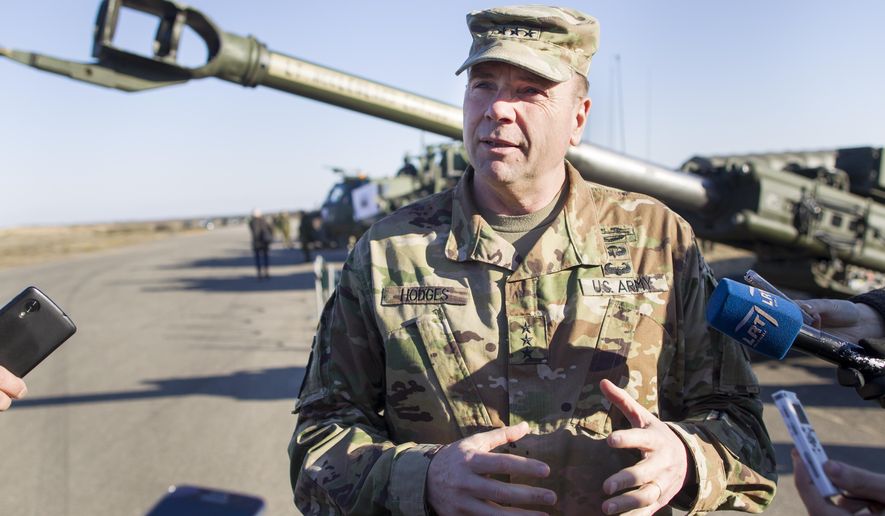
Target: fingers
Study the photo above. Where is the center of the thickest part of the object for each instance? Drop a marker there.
(812, 499)
(503, 463)
(654, 470)
(456, 481)
(657, 478)
(512, 494)
(831, 312)
(480, 508)
(11, 387)
(645, 499)
(493, 438)
(858, 482)
(638, 416)
(634, 438)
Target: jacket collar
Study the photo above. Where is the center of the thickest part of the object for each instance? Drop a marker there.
(573, 238)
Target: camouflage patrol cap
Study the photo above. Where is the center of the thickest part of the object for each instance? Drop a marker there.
(547, 41)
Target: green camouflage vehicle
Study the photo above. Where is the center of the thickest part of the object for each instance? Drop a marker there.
(357, 201)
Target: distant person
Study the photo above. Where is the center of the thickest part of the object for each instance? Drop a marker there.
(11, 388)
(282, 224)
(307, 234)
(408, 169)
(262, 236)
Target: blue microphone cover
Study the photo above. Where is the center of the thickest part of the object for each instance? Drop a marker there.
(761, 320)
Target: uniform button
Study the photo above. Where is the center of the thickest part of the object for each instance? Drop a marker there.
(566, 407)
(490, 347)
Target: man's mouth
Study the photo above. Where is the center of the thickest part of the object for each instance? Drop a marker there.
(497, 142)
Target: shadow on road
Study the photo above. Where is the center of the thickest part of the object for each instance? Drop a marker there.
(242, 257)
(820, 395)
(248, 385)
(826, 394)
(279, 259)
(249, 283)
(860, 456)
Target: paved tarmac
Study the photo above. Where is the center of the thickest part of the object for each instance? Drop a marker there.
(185, 368)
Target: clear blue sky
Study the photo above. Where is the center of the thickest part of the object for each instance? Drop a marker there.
(699, 77)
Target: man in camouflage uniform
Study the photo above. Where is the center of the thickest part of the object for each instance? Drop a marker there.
(527, 341)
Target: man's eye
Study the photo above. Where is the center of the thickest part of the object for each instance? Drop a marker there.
(531, 91)
(482, 85)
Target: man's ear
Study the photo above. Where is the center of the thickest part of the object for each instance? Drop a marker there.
(582, 111)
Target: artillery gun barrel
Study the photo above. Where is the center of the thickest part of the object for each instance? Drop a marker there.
(317, 82)
(247, 61)
(595, 163)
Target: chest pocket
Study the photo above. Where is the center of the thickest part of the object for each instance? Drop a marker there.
(623, 349)
(426, 345)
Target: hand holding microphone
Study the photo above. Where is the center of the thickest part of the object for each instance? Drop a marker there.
(772, 325)
(854, 321)
(847, 319)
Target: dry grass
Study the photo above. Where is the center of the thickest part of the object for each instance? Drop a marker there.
(29, 245)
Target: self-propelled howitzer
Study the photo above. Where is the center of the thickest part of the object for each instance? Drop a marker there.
(789, 215)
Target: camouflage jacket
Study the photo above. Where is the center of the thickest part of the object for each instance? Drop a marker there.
(439, 330)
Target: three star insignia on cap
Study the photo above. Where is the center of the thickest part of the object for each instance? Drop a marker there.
(517, 32)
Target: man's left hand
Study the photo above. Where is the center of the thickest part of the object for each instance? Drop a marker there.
(658, 477)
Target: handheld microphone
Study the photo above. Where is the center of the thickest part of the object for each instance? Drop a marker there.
(771, 325)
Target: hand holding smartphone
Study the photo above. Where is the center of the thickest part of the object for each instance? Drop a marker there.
(31, 327)
(11, 388)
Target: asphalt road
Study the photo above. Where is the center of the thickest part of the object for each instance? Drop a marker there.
(185, 368)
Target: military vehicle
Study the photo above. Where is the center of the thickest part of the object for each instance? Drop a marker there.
(821, 210)
(357, 201)
(337, 218)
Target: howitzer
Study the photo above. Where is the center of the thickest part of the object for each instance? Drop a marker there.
(786, 207)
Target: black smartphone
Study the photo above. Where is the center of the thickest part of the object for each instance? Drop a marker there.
(192, 500)
(31, 327)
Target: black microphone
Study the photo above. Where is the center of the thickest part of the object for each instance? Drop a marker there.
(771, 325)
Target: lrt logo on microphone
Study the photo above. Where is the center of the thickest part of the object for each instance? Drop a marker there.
(753, 325)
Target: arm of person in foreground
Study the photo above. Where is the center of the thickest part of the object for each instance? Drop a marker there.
(343, 459)
(709, 401)
(11, 388)
(864, 488)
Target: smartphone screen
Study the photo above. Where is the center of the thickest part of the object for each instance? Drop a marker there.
(191, 500)
(31, 327)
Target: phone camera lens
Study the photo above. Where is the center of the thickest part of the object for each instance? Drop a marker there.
(32, 305)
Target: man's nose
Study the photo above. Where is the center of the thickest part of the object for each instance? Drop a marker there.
(501, 108)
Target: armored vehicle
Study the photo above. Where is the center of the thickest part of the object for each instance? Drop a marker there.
(819, 210)
(356, 202)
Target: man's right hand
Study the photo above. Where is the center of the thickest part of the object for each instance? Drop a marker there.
(11, 387)
(458, 478)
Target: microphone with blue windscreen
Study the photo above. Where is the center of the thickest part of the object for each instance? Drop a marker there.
(772, 325)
